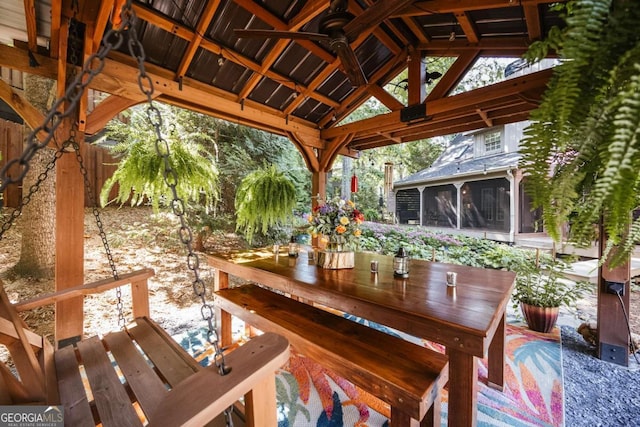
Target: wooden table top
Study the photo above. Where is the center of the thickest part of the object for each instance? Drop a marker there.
(463, 317)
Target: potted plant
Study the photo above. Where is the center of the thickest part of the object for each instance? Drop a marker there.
(265, 199)
(540, 291)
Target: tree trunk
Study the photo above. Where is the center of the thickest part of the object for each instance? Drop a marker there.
(37, 221)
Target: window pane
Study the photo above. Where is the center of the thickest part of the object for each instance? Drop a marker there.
(486, 205)
(440, 206)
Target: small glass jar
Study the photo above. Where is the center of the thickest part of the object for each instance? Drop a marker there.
(401, 264)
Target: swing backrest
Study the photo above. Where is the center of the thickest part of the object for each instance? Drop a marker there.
(31, 358)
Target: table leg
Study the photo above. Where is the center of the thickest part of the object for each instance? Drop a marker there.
(463, 389)
(496, 357)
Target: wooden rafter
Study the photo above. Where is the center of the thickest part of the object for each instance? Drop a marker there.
(385, 97)
(429, 7)
(467, 27)
(186, 34)
(309, 12)
(532, 18)
(464, 101)
(454, 74)
(203, 24)
(106, 8)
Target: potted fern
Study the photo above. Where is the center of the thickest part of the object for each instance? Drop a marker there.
(540, 291)
(265, 199)
(582, 152)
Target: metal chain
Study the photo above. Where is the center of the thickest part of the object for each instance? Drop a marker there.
(177, 204)
(75, 48)
(103, 235)
(26, 199)
(58, 112)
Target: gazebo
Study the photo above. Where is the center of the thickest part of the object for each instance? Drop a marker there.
(293, 68)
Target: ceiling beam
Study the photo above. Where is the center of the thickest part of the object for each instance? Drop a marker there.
(467, 27)
(507, 88)
(430, 7)
(532, 18)
(30, 114)
(454, 74)
(203, 23)
(308, 13)
(185, 33)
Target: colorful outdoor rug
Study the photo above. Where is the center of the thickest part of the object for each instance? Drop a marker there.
(309, 395)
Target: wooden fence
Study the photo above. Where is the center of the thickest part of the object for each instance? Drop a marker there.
(99, 164)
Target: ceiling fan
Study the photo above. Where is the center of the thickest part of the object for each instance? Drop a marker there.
(339, 27)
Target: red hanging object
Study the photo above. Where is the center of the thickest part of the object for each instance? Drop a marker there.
(354, 184)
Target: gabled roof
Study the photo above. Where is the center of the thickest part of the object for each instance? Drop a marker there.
(456, 161)
(297, 88)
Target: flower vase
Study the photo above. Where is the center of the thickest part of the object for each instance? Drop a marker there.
(334, 257)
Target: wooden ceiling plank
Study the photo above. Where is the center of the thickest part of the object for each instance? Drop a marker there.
(467, 27)
(532, 18)
(30, 18)
(454, 74)
(203, 23)
(106, 7)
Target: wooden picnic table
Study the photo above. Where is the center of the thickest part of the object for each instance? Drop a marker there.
(468, 319)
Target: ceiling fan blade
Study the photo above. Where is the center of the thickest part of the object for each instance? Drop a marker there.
(349, 60)
(373, 16)
(276, 34)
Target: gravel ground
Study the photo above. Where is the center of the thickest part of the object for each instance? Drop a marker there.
(597, 393)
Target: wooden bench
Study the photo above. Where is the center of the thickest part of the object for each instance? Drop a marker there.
(134, 375)
(406, 376)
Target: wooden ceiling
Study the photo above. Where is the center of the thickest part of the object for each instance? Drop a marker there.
(297, 88)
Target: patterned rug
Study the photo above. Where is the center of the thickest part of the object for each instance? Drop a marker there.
(310, 395)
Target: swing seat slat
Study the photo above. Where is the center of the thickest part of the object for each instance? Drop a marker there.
(135, 376)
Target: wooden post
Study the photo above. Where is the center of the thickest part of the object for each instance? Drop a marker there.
(417, 84)
(613, 338)
(69, 264)
(221, 281)
(140, 298)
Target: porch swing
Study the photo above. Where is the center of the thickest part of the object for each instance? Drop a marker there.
(138, 375)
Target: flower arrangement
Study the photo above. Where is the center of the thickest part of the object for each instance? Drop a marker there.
(337, 222)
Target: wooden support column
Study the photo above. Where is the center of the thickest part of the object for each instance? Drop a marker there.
(417, 71)
(613, 337)
(221, 281)
(318, 186)
(69, 264)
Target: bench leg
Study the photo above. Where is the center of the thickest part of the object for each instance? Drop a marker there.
(401, 419)
(261, 408)
(433, 418)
